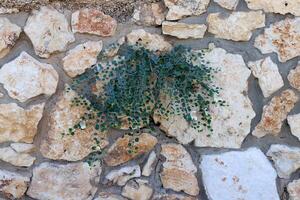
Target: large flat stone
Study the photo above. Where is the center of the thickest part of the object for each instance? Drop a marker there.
(65, 182)
(238, 26)
(21, 159)
(239, 175)
(150, 14)
(294, 77)
(294, 123)
(282, 37)
(183, 30)
(26, 77)
(49, 31)
(228, 4)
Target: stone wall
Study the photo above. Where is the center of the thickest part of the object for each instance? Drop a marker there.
(253, 152)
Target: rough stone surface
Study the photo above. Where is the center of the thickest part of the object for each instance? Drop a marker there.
(294, 123)
(183, 31)
(18, 124)
(173, 197)
(22, 147)
(228, 4)
(81, 58)
(67, 182)
(182, 8)
(121, 176)
(239, 175)
(58, 144)
(49, 31)
(269, 78)
(149, 14)
(238, 26)
(179, 171)
(13, 185)
(275, 113)
(294, 190)
(294, 77)
(279, 6)
(285, 158)
(8, 154)
(26, 77)
(282, 37)
(150, 164)
(137, 190)
(231, 123)
(93, 21)
(119, 153)
(153, 42)
(9, 33)
(108, 196)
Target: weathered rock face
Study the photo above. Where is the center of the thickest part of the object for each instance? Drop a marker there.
(108, 196)
(181, 8)
(269, 78)
(13, 185)
(9, 33)
(231, 123)
(67, 182)
(286, 159)
(275, 113)
(150, 164)
(59, 142)
(81, 58)
(179, 171)
(228, 4)
(137, 190)
(153, 42)
(121, 152)
(239, 175)
(282, 37)
(12, 156)
(121, 176)
(149, 14)
(279, 6)
(22, 147)
(18, 124)
(294, 77)
(183, 31)
(48, 31)
(238, 26)
(294, 123)
(172, 197)
(26, 77)
(294, 190)
(94, 22)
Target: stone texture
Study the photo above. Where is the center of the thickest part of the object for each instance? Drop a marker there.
(137, 190)
(9, 34)
(182, 8)
(81, 58)
(22, 147)
(153, 42)
(179, 171)
(93, 21)
(26, 77)
(121, 176)
(238, 26)
(149, 14)
(231, 123)
(21, 159)
(13, 185)
(149, 165)
(239, 175)
(269, 78)
(173, 197)
(275, 113)
(285, 158)
(294, 77)
(108, 196)
(282, 37)
(294, 190)
(65, 182)
(184, 31)
(294, 123)
(49, 31)
(4, 10)
(119, 153)
(18, 124)
(228, 4)
(58, 144)
(279, 6)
